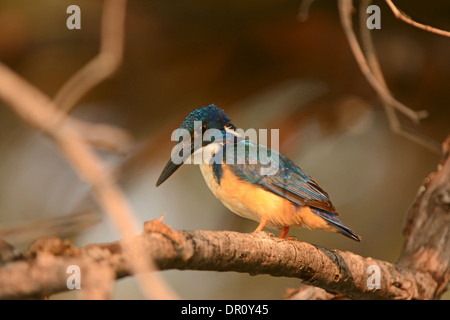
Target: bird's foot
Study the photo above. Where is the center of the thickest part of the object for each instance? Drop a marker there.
(284, 232)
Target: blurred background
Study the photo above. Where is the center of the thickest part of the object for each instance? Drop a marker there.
(268, 70)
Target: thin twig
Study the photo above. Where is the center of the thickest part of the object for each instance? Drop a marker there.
(345, 10)
(390, 103)
(374, 65)
(104, 64)
(400, 15)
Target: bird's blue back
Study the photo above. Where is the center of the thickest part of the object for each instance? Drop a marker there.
(288, 181)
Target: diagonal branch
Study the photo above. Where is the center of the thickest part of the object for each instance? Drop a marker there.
(400, 15)
(37, 110)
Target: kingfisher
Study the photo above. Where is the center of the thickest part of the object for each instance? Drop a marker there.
(279, 197)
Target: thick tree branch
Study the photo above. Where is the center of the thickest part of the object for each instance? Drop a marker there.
(333, 270)
(422, 271)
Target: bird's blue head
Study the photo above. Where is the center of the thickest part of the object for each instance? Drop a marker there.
(202, 119)
(210, 117)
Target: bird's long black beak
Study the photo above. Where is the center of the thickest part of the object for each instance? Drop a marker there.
(168, 170)
(171, 167)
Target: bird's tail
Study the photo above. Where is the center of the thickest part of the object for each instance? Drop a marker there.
(331, 219)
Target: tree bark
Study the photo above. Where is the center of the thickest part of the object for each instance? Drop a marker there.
(426, 249)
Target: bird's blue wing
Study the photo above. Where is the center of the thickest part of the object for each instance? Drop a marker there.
(252, 162)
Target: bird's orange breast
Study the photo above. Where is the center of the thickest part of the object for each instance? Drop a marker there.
(254, 202)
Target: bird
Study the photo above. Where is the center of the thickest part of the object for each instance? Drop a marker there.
(282, 198)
